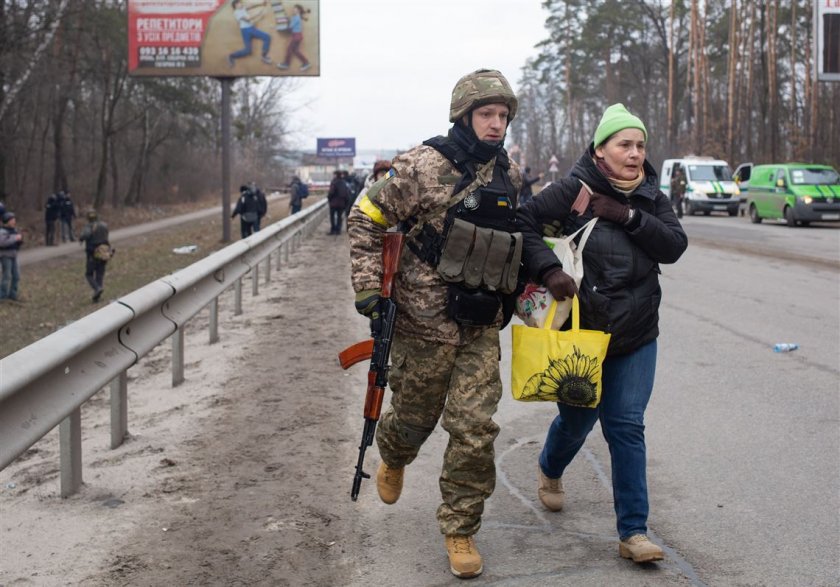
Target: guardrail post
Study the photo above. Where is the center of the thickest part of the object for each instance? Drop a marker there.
(70, 450)
(237, 297)
(214, 320)
(255, 279)
(286, 247)
(279, 255)
(178, 357)
(268, 269)
(119, 409)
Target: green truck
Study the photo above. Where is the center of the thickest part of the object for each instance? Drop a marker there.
(799, 193)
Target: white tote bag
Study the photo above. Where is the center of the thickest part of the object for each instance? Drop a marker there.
(532, 306)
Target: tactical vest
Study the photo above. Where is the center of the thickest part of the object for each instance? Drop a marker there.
(480, 247)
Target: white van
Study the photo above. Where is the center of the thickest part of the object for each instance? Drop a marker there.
(709, 185)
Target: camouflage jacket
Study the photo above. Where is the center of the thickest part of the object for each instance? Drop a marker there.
(423, 180)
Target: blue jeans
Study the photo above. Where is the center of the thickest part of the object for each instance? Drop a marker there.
(247, 37)
(626, 388)
(10, 279)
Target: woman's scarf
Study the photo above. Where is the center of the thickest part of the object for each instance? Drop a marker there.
(625, 186)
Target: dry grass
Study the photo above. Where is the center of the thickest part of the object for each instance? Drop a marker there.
(55, 292)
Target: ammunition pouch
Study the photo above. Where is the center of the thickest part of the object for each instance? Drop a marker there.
(472, 307)
(480, 257)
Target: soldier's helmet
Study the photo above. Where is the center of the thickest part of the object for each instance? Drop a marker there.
(483, 86)
(92, 214)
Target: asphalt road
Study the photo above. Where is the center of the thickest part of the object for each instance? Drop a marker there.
(743, 443)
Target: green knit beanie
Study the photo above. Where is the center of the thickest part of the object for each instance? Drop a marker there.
(616, 118)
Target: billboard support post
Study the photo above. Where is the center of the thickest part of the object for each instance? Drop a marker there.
(226, 82)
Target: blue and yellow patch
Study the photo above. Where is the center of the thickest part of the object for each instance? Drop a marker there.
(503, 201)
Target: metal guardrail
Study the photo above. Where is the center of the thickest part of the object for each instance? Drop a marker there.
(45, 384)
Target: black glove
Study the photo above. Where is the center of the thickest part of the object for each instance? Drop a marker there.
(560, 284)
(609, 208)
(368, 304)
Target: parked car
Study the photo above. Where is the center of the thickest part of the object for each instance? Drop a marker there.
(709, 185)
(799, 193)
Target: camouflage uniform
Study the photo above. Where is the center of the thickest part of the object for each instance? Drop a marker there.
(439, 368)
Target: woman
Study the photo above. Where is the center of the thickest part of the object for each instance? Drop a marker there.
(296, 26)
(249, 31)
(636, 231)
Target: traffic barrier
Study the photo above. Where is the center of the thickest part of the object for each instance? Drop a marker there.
(45, 384)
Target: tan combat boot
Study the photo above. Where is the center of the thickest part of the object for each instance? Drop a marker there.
(464, 559)
(639, 548)
(389, 483)
(550, 491)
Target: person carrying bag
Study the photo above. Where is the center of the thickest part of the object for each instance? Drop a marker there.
(637, 231)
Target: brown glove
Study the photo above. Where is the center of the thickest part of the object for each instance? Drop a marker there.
(609, 208)
(560, 284)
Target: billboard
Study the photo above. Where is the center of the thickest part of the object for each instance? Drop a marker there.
(336, 147)
(224, 38)
(827, 39)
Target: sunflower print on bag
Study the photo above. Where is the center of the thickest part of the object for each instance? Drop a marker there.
(572, 379)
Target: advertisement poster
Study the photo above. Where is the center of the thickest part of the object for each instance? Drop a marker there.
(224, 38)
(336, 147)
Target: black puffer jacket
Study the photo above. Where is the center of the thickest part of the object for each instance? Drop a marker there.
(620, 291)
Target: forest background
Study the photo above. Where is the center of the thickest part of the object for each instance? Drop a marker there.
(724, 78)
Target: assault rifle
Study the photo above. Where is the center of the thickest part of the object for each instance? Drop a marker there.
(378, 350)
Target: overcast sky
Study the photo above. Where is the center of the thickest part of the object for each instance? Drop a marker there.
(388, 66)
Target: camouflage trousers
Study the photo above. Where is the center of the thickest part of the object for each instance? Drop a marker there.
(461, 383)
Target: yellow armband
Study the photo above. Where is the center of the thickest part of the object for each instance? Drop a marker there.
(371, 211)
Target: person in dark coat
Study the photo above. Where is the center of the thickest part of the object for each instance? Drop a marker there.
(10, 242)
(296, 195)
(52, 209)
(94, 235)
(66, 214)
(248, 210)
(636, 231)
(262, 206)
(338, 197)
(526, 192)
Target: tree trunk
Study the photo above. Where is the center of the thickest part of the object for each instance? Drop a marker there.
(730, 86)
(672, 48)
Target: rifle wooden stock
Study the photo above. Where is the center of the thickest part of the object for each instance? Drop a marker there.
(378, 350)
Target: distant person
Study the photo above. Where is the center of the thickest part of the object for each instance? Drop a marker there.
(10, 242)
(678, 184)
(66, 215)
(354, 186)
(246, 16)
(293, 50)
(337, 196)
(527, 192)
(297, 192)
(52, 210)
(248, 210)
(98, 252)
(262, 206)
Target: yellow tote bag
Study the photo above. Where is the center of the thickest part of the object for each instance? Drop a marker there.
(558, 365)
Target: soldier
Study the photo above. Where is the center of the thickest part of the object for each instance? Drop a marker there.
(445, 353)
